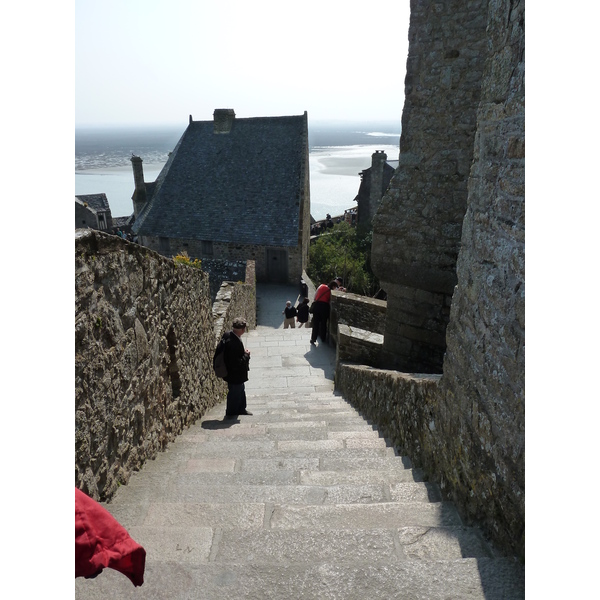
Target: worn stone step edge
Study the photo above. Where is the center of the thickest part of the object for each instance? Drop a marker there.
(298, 547)
(473, 578)
(261, 515)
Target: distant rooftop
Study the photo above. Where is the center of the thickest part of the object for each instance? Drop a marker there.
(244, 176)
(97, 202)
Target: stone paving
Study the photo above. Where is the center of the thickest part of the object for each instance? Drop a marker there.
(304, 499)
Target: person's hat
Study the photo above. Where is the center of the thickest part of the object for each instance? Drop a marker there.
(338, 279)
(239, 323)
(288, 303)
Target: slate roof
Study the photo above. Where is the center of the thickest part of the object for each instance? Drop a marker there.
(243, 186)
(364, 189)
(122, 221)
(97, 202)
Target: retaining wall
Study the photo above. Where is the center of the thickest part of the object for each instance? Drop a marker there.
(144, 342)
(359, 311)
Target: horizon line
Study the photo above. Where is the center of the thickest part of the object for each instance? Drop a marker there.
(185, 123)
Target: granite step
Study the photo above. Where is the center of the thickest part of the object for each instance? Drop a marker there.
(303, 499)
(473, 578)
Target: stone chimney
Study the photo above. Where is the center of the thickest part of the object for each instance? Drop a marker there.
(376, 192)
(224, 118)
(139, 194)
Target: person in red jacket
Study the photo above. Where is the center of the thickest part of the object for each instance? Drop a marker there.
(320, 310)
(101, 542)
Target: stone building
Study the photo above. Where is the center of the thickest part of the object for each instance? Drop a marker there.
(374, 181)
(449, 249)
(233, 189)
(93, 211)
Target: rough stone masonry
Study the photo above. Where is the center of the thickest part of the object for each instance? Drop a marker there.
(449, 248)
(144, 341)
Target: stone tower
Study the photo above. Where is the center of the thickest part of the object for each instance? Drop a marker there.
(139, 193)
(377, 163)
(417, 229)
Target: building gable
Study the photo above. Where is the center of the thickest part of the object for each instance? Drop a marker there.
(241, 181)
(93, 210)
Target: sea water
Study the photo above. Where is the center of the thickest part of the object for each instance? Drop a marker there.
(337, 155)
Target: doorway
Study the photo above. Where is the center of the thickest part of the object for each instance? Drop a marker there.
(277, 265)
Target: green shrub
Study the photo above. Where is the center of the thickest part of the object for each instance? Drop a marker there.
(344, 251)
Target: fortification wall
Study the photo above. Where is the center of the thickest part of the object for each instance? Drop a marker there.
(465, 428)
(144, 341)
(417, 228)
(483, 386)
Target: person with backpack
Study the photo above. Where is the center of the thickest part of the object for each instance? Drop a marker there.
(237, 360)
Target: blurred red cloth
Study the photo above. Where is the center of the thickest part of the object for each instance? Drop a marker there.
(102, 542)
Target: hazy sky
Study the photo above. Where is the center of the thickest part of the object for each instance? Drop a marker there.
(158, 61)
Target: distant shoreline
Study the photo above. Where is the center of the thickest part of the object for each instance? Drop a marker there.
(337, 154)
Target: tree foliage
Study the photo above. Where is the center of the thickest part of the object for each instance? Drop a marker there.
(344, 251)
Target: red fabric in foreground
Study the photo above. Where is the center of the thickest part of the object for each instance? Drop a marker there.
(102, 542)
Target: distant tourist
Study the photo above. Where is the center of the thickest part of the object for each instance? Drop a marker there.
(320, 311)
(303, 313)
(290, 313)
(340, 288)
(237, 360)
(303, 289)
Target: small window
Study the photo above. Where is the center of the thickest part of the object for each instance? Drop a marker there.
(207, 248)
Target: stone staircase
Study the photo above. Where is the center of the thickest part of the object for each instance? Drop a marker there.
(304, 499)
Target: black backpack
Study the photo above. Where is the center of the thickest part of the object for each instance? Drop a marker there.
(219, 366)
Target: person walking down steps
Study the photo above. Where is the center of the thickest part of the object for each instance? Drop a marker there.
(290, 315)
(303, 313)
(237, 360)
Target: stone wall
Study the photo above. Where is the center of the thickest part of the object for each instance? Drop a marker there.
(464, 426)
(359, 311)
(358, 346)
(232, 253)
(235, 300)
(356, 327)
(417, 228)
(483, 383)
(403, 405)
(144, 341)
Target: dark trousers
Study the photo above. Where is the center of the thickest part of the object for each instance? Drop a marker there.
(319, 327)
(236, 399)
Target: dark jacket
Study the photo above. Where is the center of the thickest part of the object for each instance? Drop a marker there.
(236, 360)
(303, 313)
